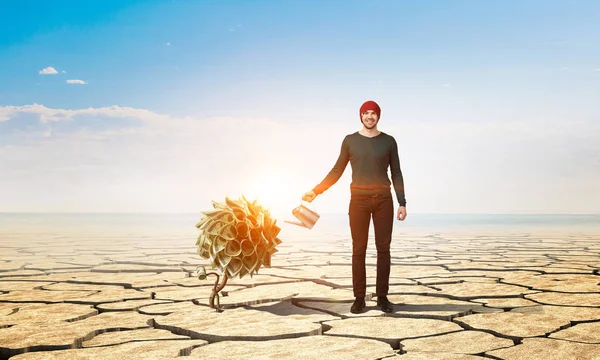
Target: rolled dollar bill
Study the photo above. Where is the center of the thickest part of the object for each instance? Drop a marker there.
(252, 221)
(234, 204)
(260, 250)
(250, 262)
(214, 227)
(228, 232)
(233, 248)
(225, 216)
(256, 236)
(234, 268)
(248, 247)
(239, 214)
(242, 230)
(218, 244)
(224, 259)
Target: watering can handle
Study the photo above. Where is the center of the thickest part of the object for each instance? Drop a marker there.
(304, 201)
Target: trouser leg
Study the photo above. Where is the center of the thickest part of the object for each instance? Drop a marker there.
(360, 217)
(383, 221)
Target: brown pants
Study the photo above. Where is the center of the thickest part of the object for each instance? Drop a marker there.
(361, 209)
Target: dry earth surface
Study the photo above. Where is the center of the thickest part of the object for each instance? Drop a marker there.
(457, 295)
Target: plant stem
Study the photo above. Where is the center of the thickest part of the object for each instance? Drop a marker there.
(215, 292)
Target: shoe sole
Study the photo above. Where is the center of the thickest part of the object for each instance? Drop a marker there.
(390, 311)
(359, 310)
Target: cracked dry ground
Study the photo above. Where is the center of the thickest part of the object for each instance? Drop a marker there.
(524, 295)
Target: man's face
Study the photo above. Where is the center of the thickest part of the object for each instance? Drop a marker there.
(369, 119)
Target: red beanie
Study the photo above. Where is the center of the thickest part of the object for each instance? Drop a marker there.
(370, 105)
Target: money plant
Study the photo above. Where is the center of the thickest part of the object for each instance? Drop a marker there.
(237, 237)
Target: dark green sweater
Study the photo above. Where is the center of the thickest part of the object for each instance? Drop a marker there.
(369, 159)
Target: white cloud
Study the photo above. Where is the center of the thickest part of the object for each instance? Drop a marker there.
(48, 114)
(446, 85)
(48, 71)
(64, 72)
(179, 164)
(168, 43)
(81, 82)
(235, 28)
(5, 113)
(598, 69)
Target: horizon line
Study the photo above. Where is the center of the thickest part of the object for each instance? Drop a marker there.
(324, 213)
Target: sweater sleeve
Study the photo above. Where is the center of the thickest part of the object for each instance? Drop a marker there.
(397, 178)
(337, 170)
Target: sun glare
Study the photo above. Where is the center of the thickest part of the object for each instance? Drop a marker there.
(272, 191)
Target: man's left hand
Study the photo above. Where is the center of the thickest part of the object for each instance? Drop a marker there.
(401, 213)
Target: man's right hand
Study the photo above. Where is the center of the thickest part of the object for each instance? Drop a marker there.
(309, 196)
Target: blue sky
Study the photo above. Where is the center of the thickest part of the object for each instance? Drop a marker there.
(289, 49)
(528, 68)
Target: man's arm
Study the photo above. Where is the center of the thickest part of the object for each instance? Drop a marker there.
(397, 178)
(337, 170)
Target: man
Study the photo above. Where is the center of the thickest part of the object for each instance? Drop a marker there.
(369, 152)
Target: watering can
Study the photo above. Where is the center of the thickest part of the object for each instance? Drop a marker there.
(307, 217)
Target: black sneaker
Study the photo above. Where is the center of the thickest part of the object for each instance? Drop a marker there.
(358, 305)
(384, 304)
